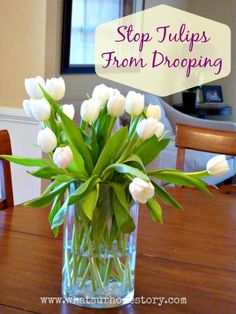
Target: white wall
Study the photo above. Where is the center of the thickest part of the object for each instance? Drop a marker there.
(23, 133)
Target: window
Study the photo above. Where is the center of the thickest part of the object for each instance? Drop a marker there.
(81, 17)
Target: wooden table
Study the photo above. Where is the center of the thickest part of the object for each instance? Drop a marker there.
(192, 255)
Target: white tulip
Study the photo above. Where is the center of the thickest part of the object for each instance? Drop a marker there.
(27, 107)
(217, 166)
(153, 111)
(47, 140)
(63, 156)
(115, 92)
(141, 190)
(134, 103)
(116, 105)
(32, 87)
(146, 128)
(56, 88)
(38, 109)
(101, 94)
(89, 110)
(69, 111)
(160, 130)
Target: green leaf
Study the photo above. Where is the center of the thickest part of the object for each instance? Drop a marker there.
(55, 208)
(119, 189)
(59, 217)
(151, 148)
(122, 168)
(101, 122)
(31, 162)
(52, 102)
(89, 202)
(109, 152)
(50, 187)
(101, 215)
(94, 145)
(44, 200)
(65, 177)
(166, 197)
(87, 186)
(74, 136)
(136, 159)
(113, 233)
(155, 210)
(124, 220)
(46, 172)
(99, 222)
(77, 163)
(179, 178)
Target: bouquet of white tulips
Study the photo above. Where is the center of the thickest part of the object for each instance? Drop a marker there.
(91, 163)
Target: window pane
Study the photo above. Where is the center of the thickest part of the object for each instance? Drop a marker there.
(86, 15)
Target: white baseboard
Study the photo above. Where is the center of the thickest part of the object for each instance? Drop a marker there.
(23, 133)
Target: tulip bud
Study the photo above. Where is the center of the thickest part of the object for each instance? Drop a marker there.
(116, 105)
(160, 129)
(217, 166)
(69, 111)
(101, 94)
(27, 107)
(56, 88)
(47, 140)
(134, 103)
(32, 87)
(141, 190)
(63, 156)
(153, 111)
(38, 109)
(114, 92)
(89, 110)
(147, 128)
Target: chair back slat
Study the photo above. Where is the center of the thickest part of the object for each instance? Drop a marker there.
(206, 140)
(6, 199)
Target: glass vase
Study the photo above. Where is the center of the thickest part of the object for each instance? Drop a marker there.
(99, 260)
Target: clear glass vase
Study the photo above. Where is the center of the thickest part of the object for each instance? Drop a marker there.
(99, 260)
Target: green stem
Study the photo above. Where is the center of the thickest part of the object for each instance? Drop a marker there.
(108, 271)
(82, 266)
(75, 267)
(127, 282)
(86, 273)
(84, 125)
(110, 127)
(199, 174)
(133, 123)
(132, 144)
(118, 267)
(67, 261)
(94, 286)
(95, 275)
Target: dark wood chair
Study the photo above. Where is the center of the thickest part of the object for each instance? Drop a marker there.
(6, 197)
(206, 140)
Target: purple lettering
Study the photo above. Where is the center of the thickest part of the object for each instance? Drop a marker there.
(119, 31)
(164, 28)
(154, 61)
(112, 60)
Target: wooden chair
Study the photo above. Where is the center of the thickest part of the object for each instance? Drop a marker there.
(6, 200)
(206, 140)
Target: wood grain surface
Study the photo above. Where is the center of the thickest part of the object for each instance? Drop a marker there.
(192, 255)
